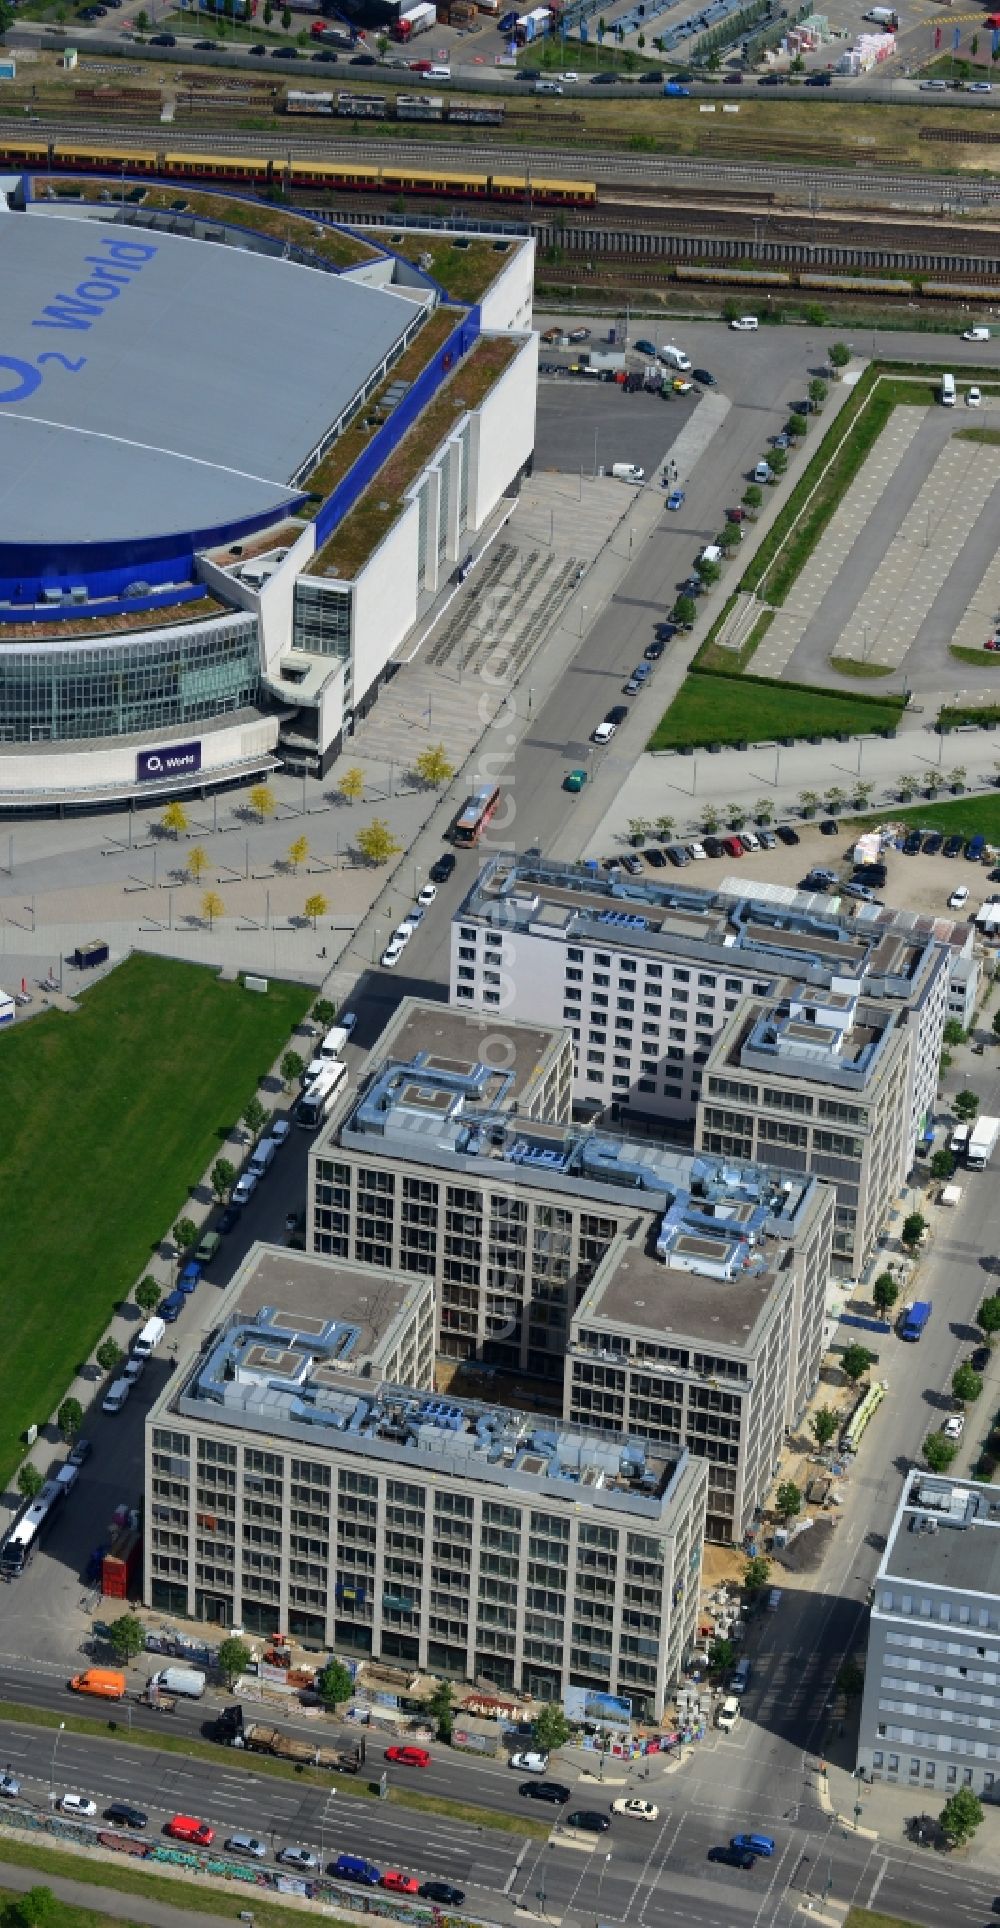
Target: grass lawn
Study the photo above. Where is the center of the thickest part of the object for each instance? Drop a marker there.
(197, 1896)
(863, 1918)
(719, 709)
(119, 1108)
(63, 1914)
(964, 816)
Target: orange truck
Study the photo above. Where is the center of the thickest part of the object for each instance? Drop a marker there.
(106, 1682)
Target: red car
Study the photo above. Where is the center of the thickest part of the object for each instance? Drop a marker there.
(408, 1756)
(184, 1827)
(732, 846)
(993, 643)
(400, 1884)
(421, 66)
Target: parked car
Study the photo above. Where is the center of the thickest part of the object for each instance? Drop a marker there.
(604, 732)
(186, 1827)
(441, 871)
(911, 844)
(713, 846)
(79, 1804)
(442, 1892)
(829, 827)
(766, 839)
(399, 1883)
(10, 1786)
(654, 650)
(354, 1867)
(80, 1452)
(243, 1190)
(959, 898)
(390, 956)
(954, 1426)
(954, 846)
(301, 1858)
(426, 897)
(786, 835)
(655, 857)
(979, 1359)
(697, 852)
(934, 843)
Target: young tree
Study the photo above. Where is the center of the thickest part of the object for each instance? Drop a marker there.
(756, 1575)
(268, 14)
(965, 1105)
(954, 1032)
(988, 1316)
(797, 426)
(708, 571)
(763, 810)
(69, 1418)
(38, 1908)
(223, 1176)
(292, 1067)
(818, 392)
(29, 1481)
(966, 1384)
(855, 1361)
(142, 20)
(212, 907)
(942, 1164)
(550, 1730)
(324, 1012)
(286, 17)
(753, 496)
(441, 1708)
(908, 786)
(262, 796)
(721, 1655)
(939, 1452)
(710, 818)
(664, 828)
(851, 1680)
(914, 1227)
(996, 1024)
(234, 1659)
(109, 1355)
(352, 784)
(197, 863)
(185, 1234)
(316, 906)
(835, 798)
(382, 45)
(684, 611)
(961, 1815)
(787, 1500)
(434, 767)
(823, 1425)
(298, 852)
(885, 1292)
(778, 459)
(253, 1116)
(377, 843)
(808, 801)
(147, 1294)
(334, 1684)
(729, 538)
(127, 1636)
(175, 818)
(839, 357)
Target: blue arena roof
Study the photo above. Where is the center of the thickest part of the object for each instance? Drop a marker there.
(153, 385)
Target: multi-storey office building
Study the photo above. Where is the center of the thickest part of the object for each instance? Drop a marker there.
(535, 1231)
(930, 1717)
(288, 1485)
(650, 978)
(706, 1327)
(819, 1082)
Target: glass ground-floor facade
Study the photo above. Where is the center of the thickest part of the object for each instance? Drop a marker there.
(53, 692)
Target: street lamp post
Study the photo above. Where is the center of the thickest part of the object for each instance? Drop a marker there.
(52, 1770)
(605, 1865)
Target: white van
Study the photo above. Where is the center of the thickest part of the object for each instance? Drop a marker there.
(975, 334)
(547, 87)
(627, 472)
(115, 1397)
(948, 391)
(712, 553)
(675, 358)
(728, 1715)
(146, 1341)
(262, 1157)
(439, 73)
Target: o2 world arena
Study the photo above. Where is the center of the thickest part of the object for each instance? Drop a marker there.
(236, 472)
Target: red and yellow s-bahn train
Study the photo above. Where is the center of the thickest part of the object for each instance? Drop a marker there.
(261, 171)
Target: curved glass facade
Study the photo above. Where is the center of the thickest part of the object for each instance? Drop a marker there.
(53, 693)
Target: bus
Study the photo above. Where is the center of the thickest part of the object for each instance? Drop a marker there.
(474, 816)
(19, 1542)
(317, 1098)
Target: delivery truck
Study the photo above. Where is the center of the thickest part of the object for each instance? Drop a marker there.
(105, 1683)
(982, 1143)
(145, 1342)
(182, 1683)
(415, 20)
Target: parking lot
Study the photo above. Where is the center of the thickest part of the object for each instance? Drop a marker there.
(918, 883)
(588, 425)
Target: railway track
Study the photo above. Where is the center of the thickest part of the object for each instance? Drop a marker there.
(735, 177)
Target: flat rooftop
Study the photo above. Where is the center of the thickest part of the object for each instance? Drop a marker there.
(453, 1041)
(684, 1303)
(203, 377)
(947, 1534)
(310, 1292)
(786, 934)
